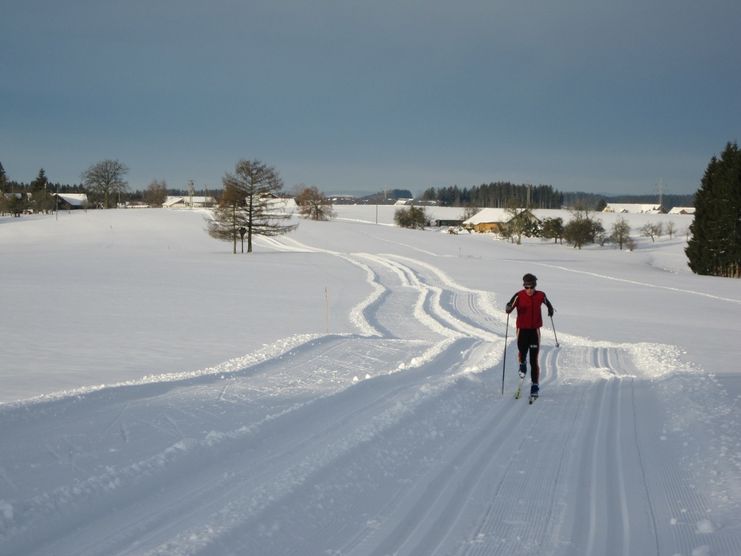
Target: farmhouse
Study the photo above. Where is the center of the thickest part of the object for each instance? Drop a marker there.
(682, 210)
(188, 201)
(69, 201)
(632, 208)
(492, 220)
(440, 222)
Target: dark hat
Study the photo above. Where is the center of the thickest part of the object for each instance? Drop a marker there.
(529, 280)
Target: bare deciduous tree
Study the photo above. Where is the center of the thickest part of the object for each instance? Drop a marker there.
(620, 232)
(652, 230)
(156, 193)
(313, 204)
(106, 178)
(249, 205)
(671, 229)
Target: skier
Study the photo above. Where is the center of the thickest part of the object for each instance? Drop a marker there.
(528, 302)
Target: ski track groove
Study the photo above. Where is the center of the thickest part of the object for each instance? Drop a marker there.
(421, 525)
(220, 397)
(642, 467)
(488, 538)
(270, 464)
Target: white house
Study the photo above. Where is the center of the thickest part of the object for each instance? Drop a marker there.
(489, 220)
(632, 208)
(71, 200)
(682, 210)
(188, 202)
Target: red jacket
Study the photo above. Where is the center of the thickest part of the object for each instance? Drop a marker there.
(529, 308)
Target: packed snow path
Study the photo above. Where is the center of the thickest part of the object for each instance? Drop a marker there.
(394, 440)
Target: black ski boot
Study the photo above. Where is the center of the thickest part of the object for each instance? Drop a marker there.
(523, 370)
(534, 390)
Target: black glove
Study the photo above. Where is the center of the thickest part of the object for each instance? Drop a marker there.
(508, 308)
(551, 310)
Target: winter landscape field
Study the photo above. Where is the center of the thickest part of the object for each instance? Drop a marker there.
(339, 392)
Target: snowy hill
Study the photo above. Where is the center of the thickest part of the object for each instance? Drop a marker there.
(339, 392)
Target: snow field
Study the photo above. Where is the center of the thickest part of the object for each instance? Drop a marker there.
(392, 436)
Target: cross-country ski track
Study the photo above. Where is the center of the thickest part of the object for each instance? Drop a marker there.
(394, 440)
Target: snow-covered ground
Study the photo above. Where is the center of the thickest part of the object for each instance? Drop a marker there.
(338, 392)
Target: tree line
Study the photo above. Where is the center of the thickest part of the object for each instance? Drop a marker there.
(496, 195)
(104, 183)
(596, 201)
(507, 195)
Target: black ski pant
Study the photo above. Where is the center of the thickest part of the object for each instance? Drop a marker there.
(528, 340)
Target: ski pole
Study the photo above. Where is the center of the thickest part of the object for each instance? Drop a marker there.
(554, 331)
(504, 358)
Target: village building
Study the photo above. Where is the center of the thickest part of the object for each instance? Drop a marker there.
(493, 220)
(682, 210)
(632, 208)
(71, 201)
(188, 201)
(441, 222)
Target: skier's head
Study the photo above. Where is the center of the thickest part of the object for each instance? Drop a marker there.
(529, 281)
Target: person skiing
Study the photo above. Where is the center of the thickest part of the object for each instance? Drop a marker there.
(528, 303)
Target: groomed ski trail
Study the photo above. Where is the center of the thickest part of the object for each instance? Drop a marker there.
(394, 440)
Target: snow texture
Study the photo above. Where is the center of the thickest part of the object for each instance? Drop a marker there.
(338, 392)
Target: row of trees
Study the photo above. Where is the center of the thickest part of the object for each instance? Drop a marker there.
(497, 195)
(249, 204)
(104, 181)
(598, 201)
(583, 229)
(38, 195)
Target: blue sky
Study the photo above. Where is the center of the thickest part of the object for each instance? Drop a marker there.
(355, 96)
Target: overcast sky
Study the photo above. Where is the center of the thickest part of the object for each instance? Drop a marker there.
(355, 96)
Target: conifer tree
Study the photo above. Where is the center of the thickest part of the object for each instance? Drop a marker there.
(41, 193)
(3, 178)
(715, 246)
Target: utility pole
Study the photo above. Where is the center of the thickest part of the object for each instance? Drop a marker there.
(190, 192)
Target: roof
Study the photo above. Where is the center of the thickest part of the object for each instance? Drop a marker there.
(73, 199)
(682, 210)
(186, 200)
(498, 215)
(489, 215)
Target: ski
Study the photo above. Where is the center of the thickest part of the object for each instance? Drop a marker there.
(518, 392)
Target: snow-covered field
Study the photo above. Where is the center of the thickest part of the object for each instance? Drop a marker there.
(338, 392)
